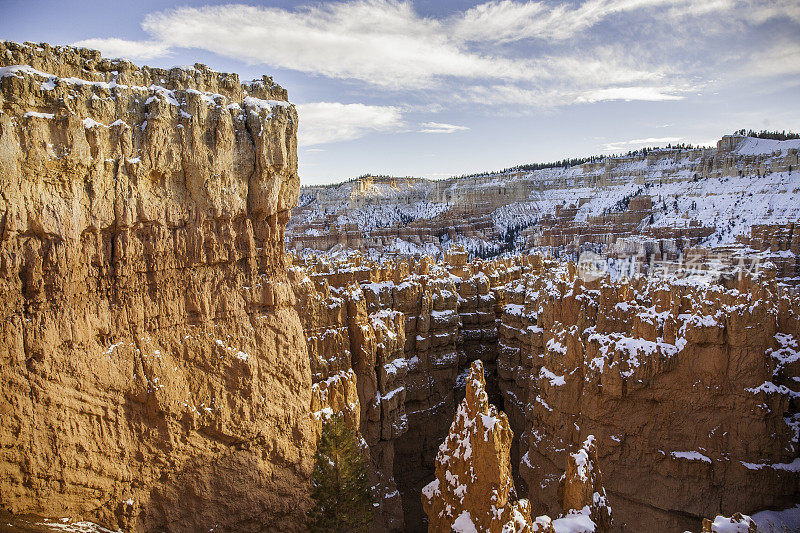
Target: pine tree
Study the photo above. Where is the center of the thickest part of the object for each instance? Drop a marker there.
(343, 499)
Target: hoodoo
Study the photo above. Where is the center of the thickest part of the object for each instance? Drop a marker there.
(473, 485)
(654, 382)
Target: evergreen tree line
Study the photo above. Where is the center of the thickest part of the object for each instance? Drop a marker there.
(563, 163)
(782, 135)
(574, 161)
(510, 242)
(485, 252)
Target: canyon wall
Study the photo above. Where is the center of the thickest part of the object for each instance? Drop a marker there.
(154, 369)
(474, 489)
(691, 390)
(165, 366)
(687, 388)
(390, 330)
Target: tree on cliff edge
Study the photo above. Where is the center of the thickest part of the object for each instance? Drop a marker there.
(340, 486)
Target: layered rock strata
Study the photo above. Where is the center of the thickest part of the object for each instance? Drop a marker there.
(676, 379)
(156, 374)
(474, 489)
(580, 490)
(408, 330)
(648, 206)
(358, 369)
(692, 385)
(154, 369)
(390, 330)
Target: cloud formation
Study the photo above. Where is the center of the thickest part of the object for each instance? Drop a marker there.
(507, 21)
(634, 144)
(386, 43)
(379, 42)
(326, 122)
(439, 127)
(502, 53)
(114, 47)
(650, 94)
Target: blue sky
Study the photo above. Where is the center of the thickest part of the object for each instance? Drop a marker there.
(440, 88)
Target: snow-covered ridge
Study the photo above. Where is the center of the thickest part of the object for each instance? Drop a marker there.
(754, 146)
(713, 197)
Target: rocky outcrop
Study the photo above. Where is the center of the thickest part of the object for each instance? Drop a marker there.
(580, 490)
(408, 330)
(646, 207)
(165, 366)
(392, 329)
(668, 376)
(358, 369)
(154, 369)
(473, 489)
(691, 384)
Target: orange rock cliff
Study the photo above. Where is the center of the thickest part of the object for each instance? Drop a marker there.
(154, 371)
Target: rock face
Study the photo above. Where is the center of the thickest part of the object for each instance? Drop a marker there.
(652, 206)
(580, 490)
(165, 366)
(390, 329)
(405, 331)
(473, 489)
(690, 384)
(358, 369)
(687, 387)
(154, 369)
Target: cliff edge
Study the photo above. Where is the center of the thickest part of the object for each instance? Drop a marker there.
(154, 370)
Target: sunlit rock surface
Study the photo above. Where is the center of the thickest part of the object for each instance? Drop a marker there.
(154, 368)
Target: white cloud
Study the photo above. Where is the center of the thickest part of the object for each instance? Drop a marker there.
(325, 122)
(506, 21)
(786, 9)
(697, 9)
(650, 94)
(515, 95)
(439, 127)
(502, 52)
(387, 43)
(780, 58)
(381, 42)
(114, 47)
(655, 140)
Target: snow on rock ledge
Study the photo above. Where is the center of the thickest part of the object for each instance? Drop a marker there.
(473, 485)
(473, 488)
(581, 493)
(154, 370)
(737, 523)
